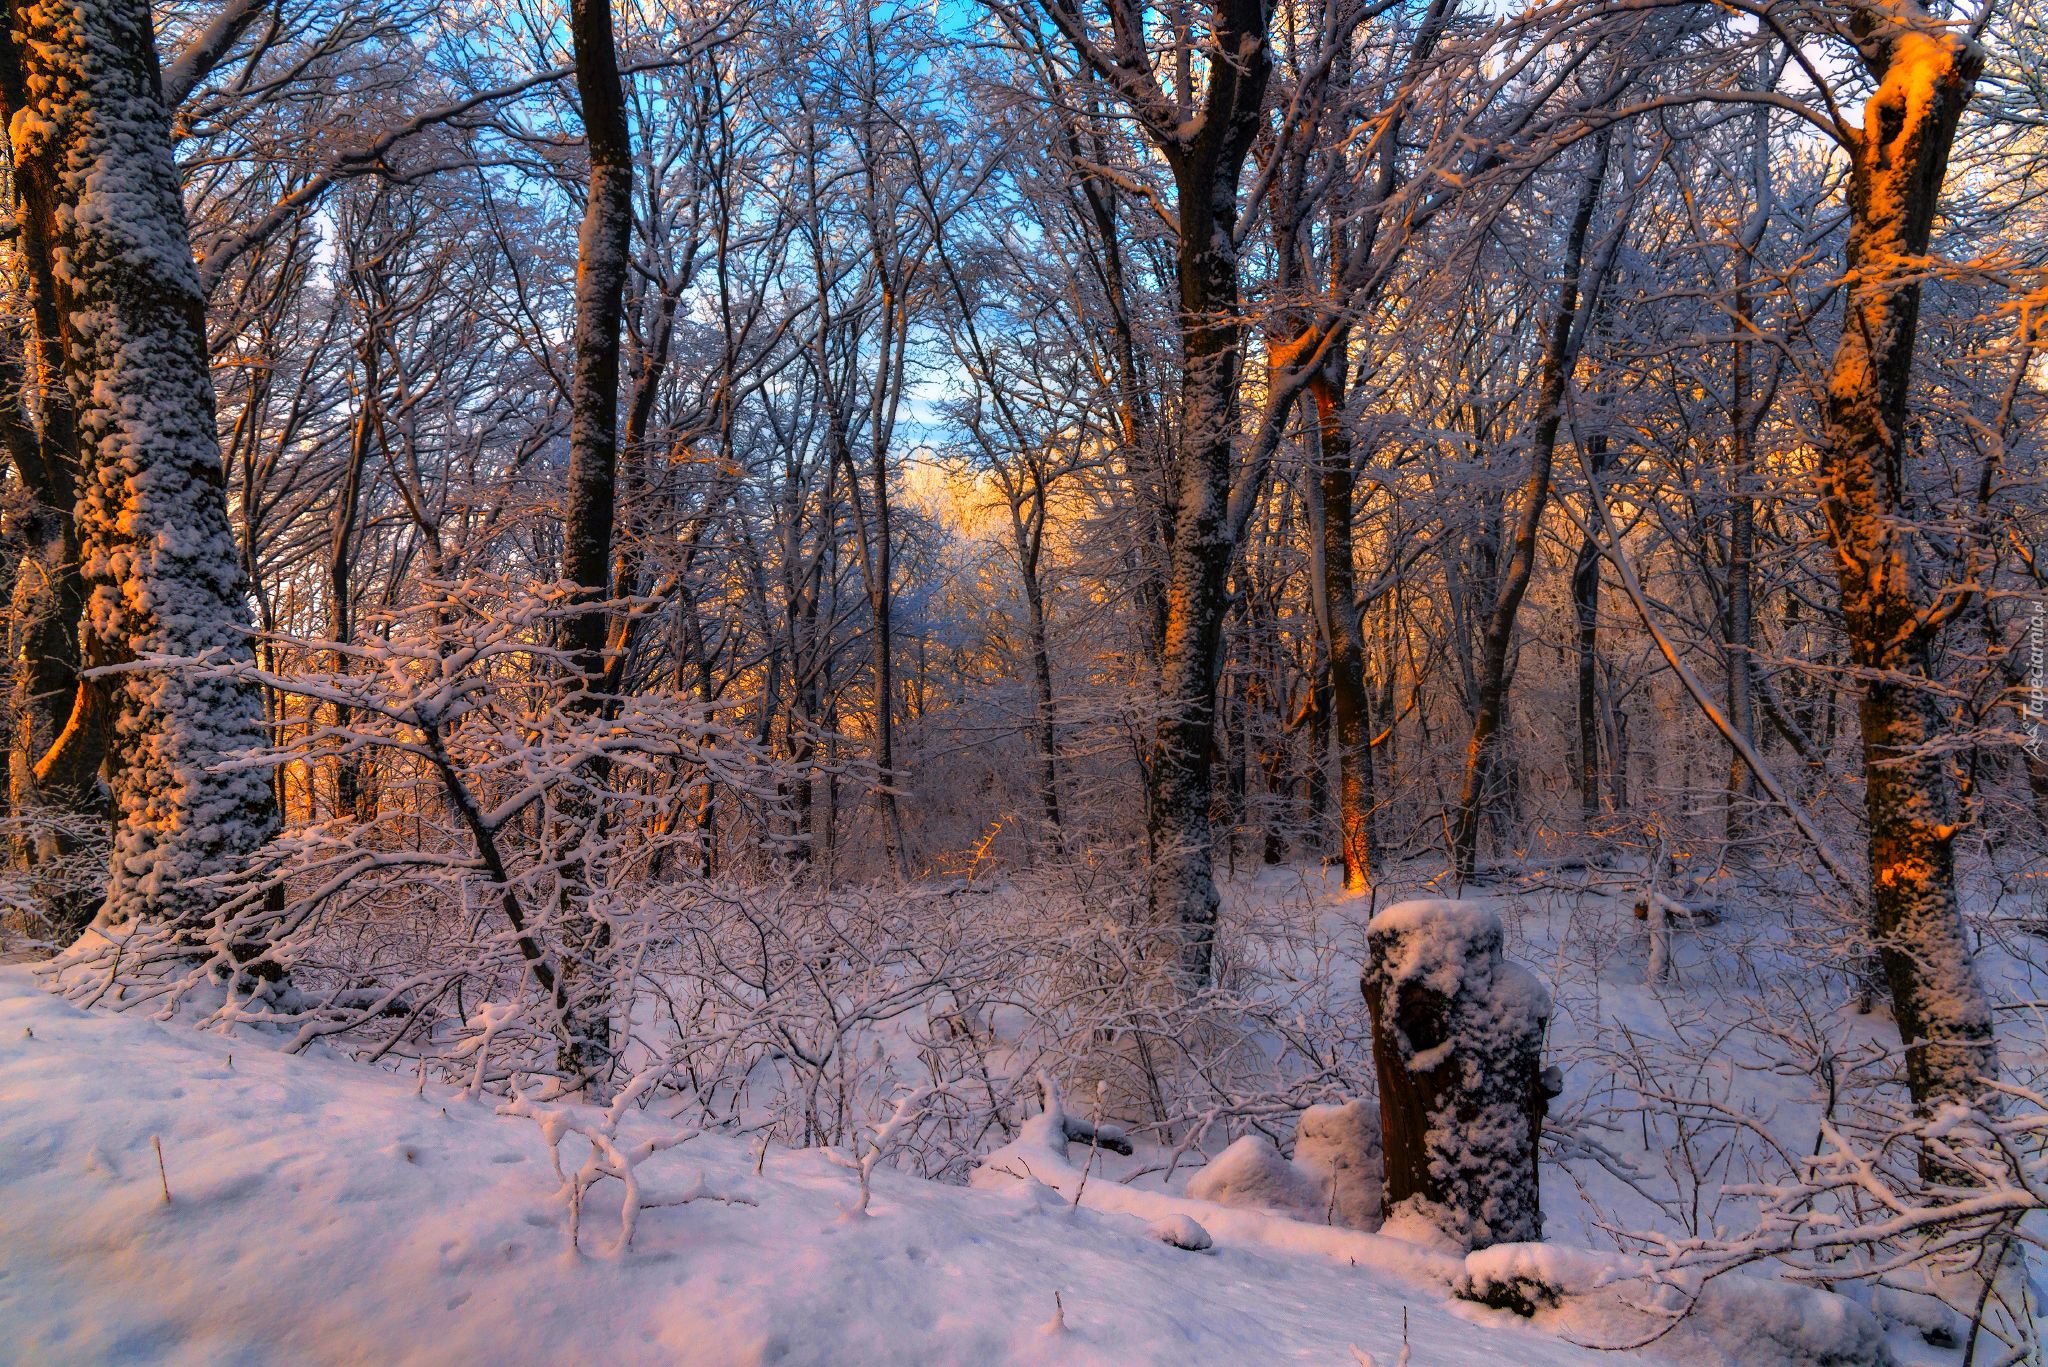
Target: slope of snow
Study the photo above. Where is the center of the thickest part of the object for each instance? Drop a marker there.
(323, 1212)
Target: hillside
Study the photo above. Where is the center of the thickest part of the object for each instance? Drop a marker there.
(326, 1213)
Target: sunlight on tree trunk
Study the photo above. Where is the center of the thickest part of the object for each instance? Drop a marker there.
(1893, 603)
(96, 179)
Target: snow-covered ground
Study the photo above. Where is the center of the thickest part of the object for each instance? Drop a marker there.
(324, 1212)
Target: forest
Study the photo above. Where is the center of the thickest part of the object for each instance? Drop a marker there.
(838, 567)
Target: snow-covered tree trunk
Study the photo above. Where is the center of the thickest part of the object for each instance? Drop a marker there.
(1894, 604)
(56, 790)
(1457, 1036)
(42, 641)
(1182, 889)
(91, 139)
(601, 256)
(1207, 157)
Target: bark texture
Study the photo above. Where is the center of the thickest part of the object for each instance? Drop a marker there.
(600, 312)
(1337, 595)
(48, 600)
(1586, 615)
(601, 248)
(1457, 1036)
(1894, 603)
(96, 180)
(1207, 158)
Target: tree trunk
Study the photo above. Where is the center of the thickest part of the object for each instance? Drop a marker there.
(1205, 138)
(1891, 608)
(1586, 612)
(43, 615)
(354, 799)
(49, 587)
(1744, 412)
(601, 248)
(1206, 168)
(1559, 353)
(1741, 632)
(881, 605)
(1030, 541)
(1337, 606)
(98, 187)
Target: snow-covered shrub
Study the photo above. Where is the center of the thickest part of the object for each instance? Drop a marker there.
(1818, 1178)
(609, 1155)
(871, 1148)
(808, 1009)
(511, 819)
(1096, 1001)
(1620, 1302)
(57, 876)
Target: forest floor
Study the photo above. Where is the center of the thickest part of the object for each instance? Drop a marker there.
(321, 1212)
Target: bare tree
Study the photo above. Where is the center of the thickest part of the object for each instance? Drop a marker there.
(1205, 132)
(1577, 293)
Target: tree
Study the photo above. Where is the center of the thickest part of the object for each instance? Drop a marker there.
(1895, 600)
(1564, 338)
(590, 505)
(96, 184)
(1205, 134)
(601, 256)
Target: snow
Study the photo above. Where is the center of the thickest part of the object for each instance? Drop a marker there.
(323, 1212)
(1181, 1231)
(1736, 1320)
(88, 1252)
(1439, 942)
(1341, 1147)
(1252, 1175)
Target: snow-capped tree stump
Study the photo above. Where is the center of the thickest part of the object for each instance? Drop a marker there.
(1458, 1040)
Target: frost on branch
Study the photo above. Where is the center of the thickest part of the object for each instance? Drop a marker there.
(455, 698)
(1458, 1039)
(878, 1146)
(611, 1156)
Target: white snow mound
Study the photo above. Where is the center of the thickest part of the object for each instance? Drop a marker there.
(1734, 1320)
(1252, 1174)
(1341, 1147)
(1181, 1231)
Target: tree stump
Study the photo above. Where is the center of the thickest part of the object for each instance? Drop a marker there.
(1458, 1040)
